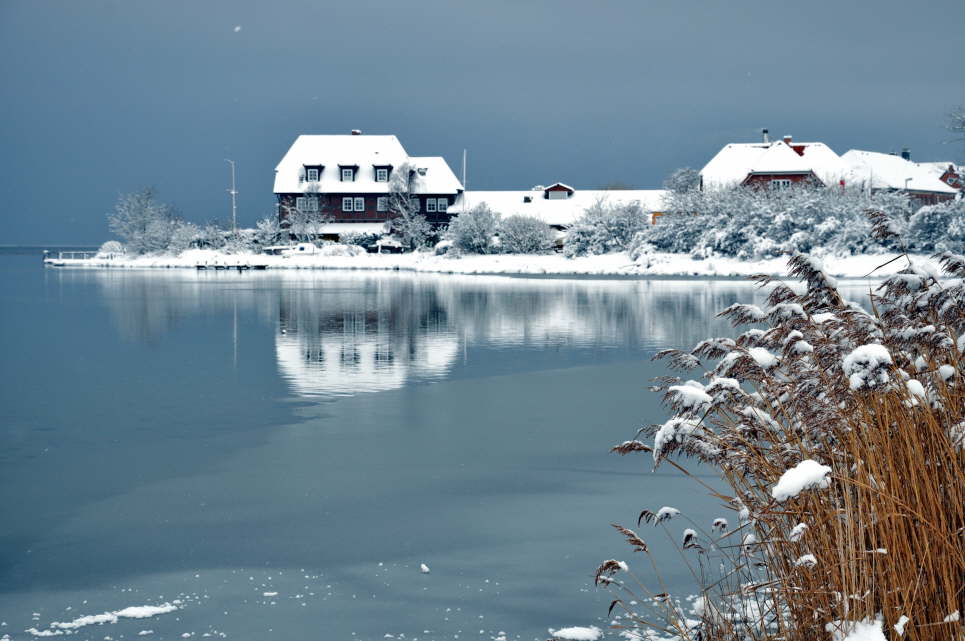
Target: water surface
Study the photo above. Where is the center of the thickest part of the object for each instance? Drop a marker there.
(281, 451)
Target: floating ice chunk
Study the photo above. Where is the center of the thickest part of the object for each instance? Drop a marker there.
(578, 633)
(424, 568)
(866, 366)
(805, 475)
(269, 594)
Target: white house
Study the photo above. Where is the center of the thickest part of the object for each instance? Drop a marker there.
(876, 171)
(557, 205)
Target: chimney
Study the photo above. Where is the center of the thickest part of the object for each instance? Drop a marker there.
(906, 153)
(765, 136)
(787, 139)
(356, 132)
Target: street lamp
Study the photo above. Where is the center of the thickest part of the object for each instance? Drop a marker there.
(234, 193)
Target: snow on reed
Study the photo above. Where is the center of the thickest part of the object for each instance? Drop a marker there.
(807, 474)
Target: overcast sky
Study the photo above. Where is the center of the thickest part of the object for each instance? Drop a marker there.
(101, 97)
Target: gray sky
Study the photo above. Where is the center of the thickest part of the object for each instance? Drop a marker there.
(101, 97)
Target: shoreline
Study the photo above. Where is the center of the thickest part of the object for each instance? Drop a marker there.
(617, 265)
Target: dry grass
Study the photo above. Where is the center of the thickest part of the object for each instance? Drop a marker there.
(888, 533)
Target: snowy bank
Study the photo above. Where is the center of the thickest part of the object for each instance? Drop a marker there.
(617, 264)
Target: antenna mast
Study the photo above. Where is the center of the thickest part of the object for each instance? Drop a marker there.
(465, 187)
(234, 193)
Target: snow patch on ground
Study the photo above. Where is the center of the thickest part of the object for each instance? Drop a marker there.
(615, 264)
(866, 630)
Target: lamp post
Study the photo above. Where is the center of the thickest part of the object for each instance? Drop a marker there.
(234, 193)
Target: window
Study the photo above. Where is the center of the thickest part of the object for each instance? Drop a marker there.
(312, 175)
(780, 183)
(360, 204)
(347, 204)
(443, 205)
(431, 205)
(382, 204)
(348, 175)
(311, 204)
(382, 175)
(300, 203)
(414, 204)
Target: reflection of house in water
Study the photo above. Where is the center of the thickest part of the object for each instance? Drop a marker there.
(343, 342)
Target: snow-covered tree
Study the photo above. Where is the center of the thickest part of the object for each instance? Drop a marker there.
(142, 222)
(407, 222)
(938, 228)
(956, 123)
(682, 180)
(605, 228)
(473, 231)
(182, 237)
(524, 235)
(267, 231)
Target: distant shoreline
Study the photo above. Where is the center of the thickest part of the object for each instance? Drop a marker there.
(617, 265)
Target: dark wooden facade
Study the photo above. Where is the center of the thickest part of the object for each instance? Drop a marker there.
(759, 181)
(331, 205)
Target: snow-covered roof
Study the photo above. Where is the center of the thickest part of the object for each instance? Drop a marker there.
(736, 161)
(365, 152)
(938, 169)
(433, 176)
(876, 170)
(558, 212)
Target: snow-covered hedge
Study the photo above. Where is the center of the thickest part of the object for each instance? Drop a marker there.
(605, 228)
(750, 223)
(524, 235)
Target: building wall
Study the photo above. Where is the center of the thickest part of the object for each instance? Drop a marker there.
(764, 180)
(332, 204)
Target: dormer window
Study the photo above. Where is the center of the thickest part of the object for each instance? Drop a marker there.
(311, 173)
(347, 173)
(381, 175)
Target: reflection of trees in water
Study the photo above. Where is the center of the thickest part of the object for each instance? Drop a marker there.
(346, 331)
(145, 305)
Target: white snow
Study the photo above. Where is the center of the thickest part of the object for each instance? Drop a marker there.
(762, 357)
(577, 633)
(915, 388)
(615, 264)
(952, 618)
(666, 513)
(690, 397)
(805, 475)
(797, 532)
(946, 372)
(806, 560)
(900, 625)
(866, 630)
(866, 366)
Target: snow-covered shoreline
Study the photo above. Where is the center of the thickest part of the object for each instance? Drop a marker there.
(608, 265)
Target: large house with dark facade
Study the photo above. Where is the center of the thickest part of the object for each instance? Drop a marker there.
(348, 178)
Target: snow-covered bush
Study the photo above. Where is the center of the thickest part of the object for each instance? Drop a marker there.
(938, 228)
(110, 248)
(359, 239)
(473, 231)
(524, 235)
(340, 249)
(142, 222)
(838, 429)
(183, 236)
(761, 223)
(267, 231)
(605, 228)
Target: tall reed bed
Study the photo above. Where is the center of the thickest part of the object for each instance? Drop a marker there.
(839, 430)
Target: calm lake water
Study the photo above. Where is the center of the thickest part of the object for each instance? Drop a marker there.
(281, 451)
